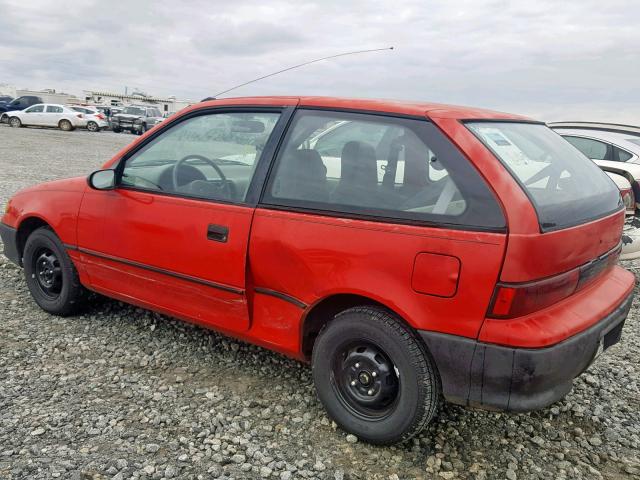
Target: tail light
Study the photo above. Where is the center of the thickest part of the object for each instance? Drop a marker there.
(628, 199)
(100, 116)
(518, 299)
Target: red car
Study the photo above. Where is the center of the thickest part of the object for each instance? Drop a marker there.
(409, 251)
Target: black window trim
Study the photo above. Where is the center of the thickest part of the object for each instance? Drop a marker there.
(259, 173)
(542, 228)
(371, 215)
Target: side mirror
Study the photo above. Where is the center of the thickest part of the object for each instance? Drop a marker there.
(102, 180)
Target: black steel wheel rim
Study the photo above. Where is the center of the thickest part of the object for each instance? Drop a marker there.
(365, 380)
(47, 272)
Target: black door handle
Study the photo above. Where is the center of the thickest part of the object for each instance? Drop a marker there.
(218, 233)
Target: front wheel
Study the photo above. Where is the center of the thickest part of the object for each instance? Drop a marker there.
(374, 376)
(65, 125)
(50, 274)
(116, 129)
(15, 122)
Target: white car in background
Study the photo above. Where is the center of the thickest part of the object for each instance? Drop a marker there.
(48, 115)
(616, 150)
(96, 120)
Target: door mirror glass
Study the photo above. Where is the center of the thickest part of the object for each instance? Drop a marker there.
(103, 180)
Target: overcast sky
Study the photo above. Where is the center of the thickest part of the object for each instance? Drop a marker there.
(569, 60)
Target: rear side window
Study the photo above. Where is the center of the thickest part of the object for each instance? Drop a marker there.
(379, 166)
(54, 109)
(592, 149)
(566, 188)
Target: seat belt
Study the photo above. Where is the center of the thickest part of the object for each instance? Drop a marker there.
(445, 197)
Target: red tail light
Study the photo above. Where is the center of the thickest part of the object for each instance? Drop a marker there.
(629, 200)
(518, 299)
(100, 116)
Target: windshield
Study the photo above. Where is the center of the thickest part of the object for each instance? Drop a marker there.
(566, 188)
(134, 111)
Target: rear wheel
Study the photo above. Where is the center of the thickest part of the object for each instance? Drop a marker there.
(93, 126)
(51, 276)
(15, 122)
(374, 376)
(65, 125)
(116, 129)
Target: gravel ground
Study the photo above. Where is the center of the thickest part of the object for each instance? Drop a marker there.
(121, 393)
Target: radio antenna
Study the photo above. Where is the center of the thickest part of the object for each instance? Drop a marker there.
(298, 66)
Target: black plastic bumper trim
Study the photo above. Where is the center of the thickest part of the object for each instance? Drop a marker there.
(10, 241)
(496, 377)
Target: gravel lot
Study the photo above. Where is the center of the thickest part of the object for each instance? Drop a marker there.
(121, 393)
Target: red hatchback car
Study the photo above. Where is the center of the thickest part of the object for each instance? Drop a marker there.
(410, 251)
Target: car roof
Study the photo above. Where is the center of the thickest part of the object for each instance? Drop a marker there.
(400, 107)
(619, 139)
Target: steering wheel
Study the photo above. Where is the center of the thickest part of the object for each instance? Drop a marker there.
(226, 185)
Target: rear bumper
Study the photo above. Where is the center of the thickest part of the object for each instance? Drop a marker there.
(9, 240)
(519, 379)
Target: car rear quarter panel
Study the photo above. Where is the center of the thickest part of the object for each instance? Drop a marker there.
(312, 257)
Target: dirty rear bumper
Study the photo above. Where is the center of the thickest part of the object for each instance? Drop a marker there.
(9, 240)
(518, 379)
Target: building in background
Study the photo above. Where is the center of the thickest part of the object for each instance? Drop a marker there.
(167, 106)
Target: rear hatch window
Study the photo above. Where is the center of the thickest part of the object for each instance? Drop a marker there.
(565, 187)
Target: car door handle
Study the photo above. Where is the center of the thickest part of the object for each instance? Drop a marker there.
(217, 233)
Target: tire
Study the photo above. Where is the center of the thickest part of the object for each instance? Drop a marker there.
(15, 122)
(116, 129)
(93, 126)
(65, 125)
(50, 274)
(4, 118)
(374, 377)
(142, 130)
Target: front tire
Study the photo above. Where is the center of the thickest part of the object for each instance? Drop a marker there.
(50, 274)
(65, 125)
(116, 129)
(374, 376)
(15, 122)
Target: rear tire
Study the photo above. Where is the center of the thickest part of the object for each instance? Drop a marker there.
(65, 125)
(50, 274)
(116, 129)
(374, 376)
(93, 126)
(15, 122)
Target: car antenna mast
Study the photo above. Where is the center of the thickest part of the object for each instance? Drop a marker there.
(298, 66)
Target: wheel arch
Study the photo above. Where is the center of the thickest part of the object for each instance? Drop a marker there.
(26, 227)
(324, 311)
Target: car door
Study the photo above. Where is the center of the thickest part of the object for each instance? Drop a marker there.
(32, 115)
(52, 115)
(173, 235)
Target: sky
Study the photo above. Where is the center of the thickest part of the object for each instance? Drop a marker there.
(552, 60)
